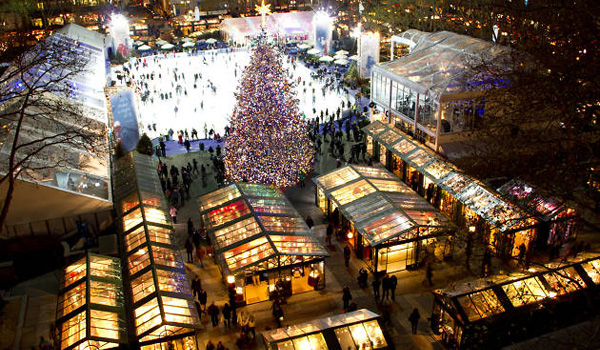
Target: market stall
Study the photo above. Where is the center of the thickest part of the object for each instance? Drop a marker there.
(158, 290)
(558, 223)
(353, 330)
(90, 311)
(261, 243)
(494, 312)
(506, 228)
(388, 225)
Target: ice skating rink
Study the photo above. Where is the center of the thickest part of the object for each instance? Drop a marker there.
(199, 91)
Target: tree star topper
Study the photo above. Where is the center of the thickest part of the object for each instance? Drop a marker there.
(263, 10)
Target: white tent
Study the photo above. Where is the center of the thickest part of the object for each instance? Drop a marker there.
(187, 40)
(313, 52)
(338, 57)
(211, 41)
(144, 48)
(161, 42)
(342, 52)
(304, 46)
(167, 46)
(189, 44)
(353, 58)
(326, 59)
(342, 62)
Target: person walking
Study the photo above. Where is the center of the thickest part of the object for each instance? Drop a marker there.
(173, 212)
(376, 284)
(309, 222)
(393, 285)
(213, 312)
(210, 346)
(385, 287)
(196, 286)
(429, 274)
(329, 233)
(252, 326)
(346, 297)
(226, 315)
(202, 298)
(347, 256)
(189, 249)
(278, 314)
(414, 320)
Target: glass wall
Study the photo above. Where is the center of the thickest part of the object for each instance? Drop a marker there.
(97, 321)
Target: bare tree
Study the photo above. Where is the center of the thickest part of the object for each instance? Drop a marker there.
(43, 118)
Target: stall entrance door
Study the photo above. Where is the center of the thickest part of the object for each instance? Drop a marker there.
(395, 258)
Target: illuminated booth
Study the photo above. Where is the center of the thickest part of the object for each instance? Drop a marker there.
(162, 309)
(90, 311)
(353, 330)
(491, 313)
(558, 223)
(389, 226)
(468, 202)
(262, 245)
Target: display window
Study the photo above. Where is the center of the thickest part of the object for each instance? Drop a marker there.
(388, 185)
(178, 310)
(185, 343)
(382, 155)
(138, 261)
(104, 293)
(157, 216)
(337, 178)
(592, 269)
(75, 272)
(73, 330)
(370, 145)
(389, 136)
(135, 238)
(218, 198)
(420, 157)
(143, 286)
(525, 291)
(367, 207)
(353, 192)
(404, 146)
(321, 200)
(71, 300)
(132, 219)
(166, 257)
(270, 206)
(129, 202)
(373, 173)
(282, 224)
(437, 169)
(174, 282)
(248, 253)
(226, 214)
(255, 190)
(387, 226)
(564, 282)
(236, 232)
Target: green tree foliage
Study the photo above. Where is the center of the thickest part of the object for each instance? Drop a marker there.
(144, 145)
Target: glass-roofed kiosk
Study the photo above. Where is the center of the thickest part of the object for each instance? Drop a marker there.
(389, 226)
(161, 307)
(558, 222)
(90, 312)
(491, 313)
(433, 91)
(504, 227)
(262, 245)
(361, 329)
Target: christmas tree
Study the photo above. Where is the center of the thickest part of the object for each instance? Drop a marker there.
(268, 143)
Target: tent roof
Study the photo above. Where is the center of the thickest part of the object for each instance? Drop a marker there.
(251, 223)
(378, 204)
(440, 63)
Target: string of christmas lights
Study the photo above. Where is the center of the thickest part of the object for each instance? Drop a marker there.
(268, 143)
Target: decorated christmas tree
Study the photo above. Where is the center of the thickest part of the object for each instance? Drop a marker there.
(268, 143)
